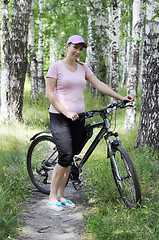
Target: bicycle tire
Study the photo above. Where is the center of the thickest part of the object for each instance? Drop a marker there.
(128, 184)
(42, 157)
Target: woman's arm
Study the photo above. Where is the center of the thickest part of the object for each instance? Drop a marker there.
(50, 88)
(102, 87)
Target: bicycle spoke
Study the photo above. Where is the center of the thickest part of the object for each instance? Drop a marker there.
(41, 160)
(125, 177)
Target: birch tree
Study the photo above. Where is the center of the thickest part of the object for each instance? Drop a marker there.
(115, 46)
(32, 53)
(5, 60)
(52, 53)
(126, 54)
(132, 82)
(41, 80)
(149, 121)
(14, 58)
(96, 51)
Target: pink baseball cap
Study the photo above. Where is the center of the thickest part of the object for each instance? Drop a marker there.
(75, 39)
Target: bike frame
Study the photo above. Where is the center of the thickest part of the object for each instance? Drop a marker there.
(104, 132)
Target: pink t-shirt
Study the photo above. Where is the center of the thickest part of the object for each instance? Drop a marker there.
(69, 85)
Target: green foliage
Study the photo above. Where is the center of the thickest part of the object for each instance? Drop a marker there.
(61, 20)
(156, 12)
(35, 113)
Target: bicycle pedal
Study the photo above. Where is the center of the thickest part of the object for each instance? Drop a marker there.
(77, 184)
(76, 159)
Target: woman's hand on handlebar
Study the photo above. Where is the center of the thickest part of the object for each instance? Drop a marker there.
(72, 115)
(128, 99)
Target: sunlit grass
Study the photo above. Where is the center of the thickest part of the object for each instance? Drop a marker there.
(13, 177)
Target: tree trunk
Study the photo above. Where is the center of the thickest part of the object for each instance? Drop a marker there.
(115, 47)
(132, 83)
(149, 121)
(52, 53)
(41, 80)
(143, 12)
(109, 49)
(126, 57)
(96, 51)
(17, 50)
(5, 61)
(32, 53)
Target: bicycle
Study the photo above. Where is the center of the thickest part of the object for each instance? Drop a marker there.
(42, 157)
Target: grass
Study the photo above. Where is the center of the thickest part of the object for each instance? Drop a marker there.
(13, 177)
(35, 113)
(14, 142)
(106, 217)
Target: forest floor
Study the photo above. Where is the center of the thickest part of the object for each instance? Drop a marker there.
(40, 222)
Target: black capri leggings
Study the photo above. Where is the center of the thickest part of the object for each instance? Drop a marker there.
(68, 135)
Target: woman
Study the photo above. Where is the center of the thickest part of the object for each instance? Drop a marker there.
(66, 80)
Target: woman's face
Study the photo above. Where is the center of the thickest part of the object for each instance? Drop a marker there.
(74, 50)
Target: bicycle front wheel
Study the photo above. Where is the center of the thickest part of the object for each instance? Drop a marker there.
(125, 177)
(42, 158)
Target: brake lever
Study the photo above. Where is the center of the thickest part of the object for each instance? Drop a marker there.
(124, 104)
(129, 106)
(85, 115)
(90, 114)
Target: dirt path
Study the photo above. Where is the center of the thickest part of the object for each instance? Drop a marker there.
(39, 222)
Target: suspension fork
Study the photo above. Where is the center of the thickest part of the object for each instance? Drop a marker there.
(111, 148)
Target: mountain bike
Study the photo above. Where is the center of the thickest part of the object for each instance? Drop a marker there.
(42, 157)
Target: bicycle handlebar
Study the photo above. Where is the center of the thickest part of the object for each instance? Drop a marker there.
(108, 109)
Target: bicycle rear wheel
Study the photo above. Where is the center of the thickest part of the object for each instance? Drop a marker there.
(42, 158)
(125, 177)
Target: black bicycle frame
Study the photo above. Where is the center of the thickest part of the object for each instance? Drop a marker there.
(99, 136)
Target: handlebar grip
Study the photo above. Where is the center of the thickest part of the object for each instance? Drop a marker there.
(81, 115)
(125, 101)
(123, 104)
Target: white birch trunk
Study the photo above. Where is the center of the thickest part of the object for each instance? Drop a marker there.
(32, 53)
(126, 59)
(41, 80)
(115, 46)
(132, 82)
(110, 11)
(52, 54)
(149, 120)
(17, 47)
(143, 13)
(5, 62)
(96, 51)
(19, 37)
